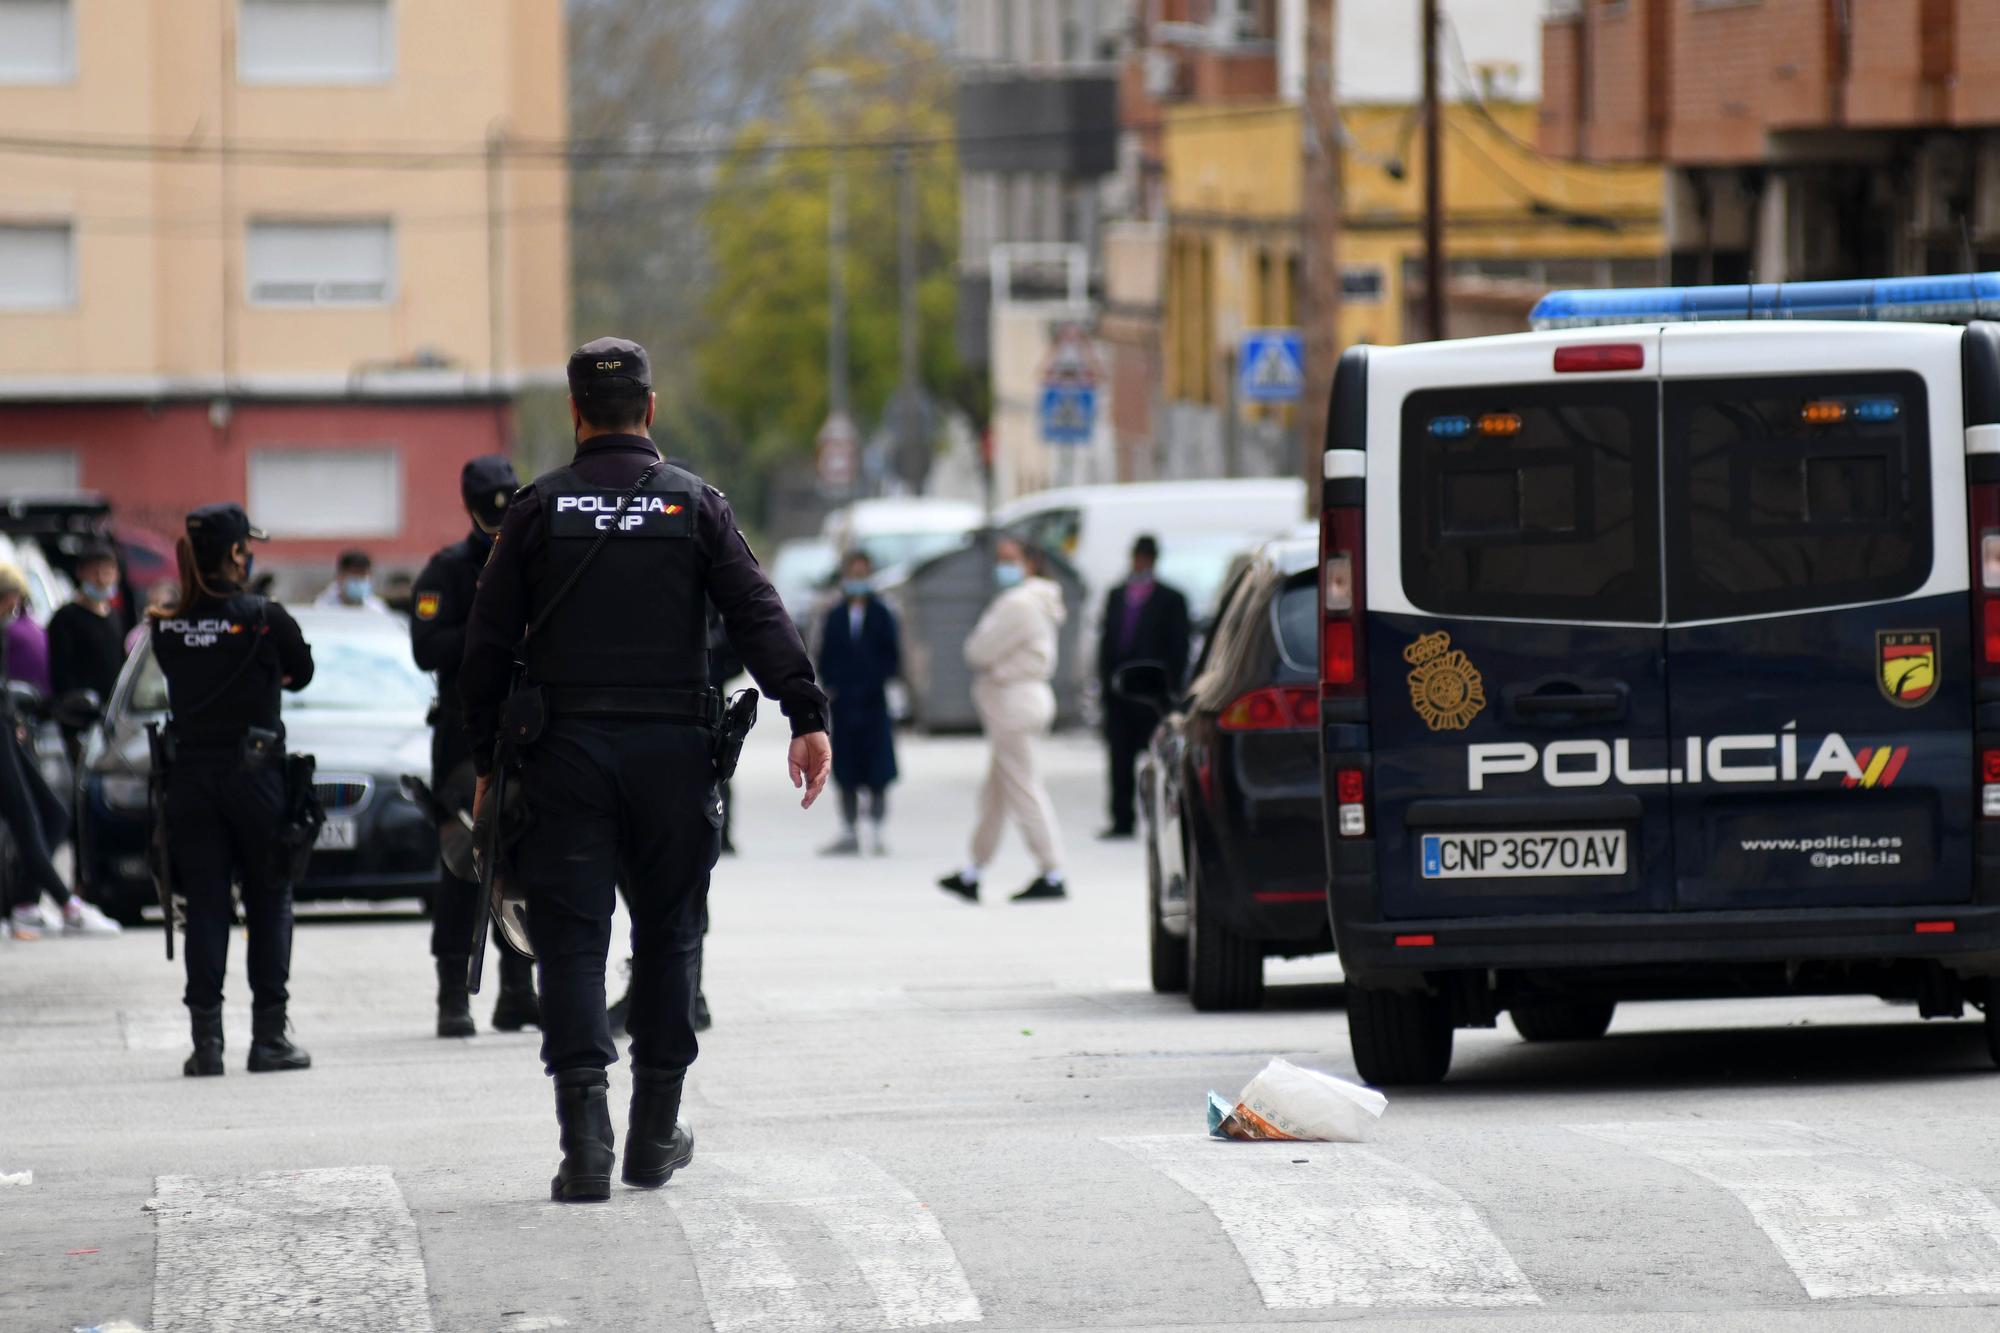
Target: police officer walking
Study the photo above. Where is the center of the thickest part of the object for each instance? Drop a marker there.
(441, 604)
(599, 582)
(226, 654)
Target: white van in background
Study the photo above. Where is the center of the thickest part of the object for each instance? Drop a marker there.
(1202, 526)
(899, 533)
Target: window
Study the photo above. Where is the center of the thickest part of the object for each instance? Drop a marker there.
(1295, 616)
(327, 492)
(320, 263)
(316, 41)
(37, 266)
(1786, 494)
(37, 41)
(1361, 282)
(1536, 502)
(39, 471)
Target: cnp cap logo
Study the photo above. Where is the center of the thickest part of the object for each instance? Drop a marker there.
(1445, 688)
(609, 365)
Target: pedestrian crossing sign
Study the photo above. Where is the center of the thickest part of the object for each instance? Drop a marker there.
(1272, 367)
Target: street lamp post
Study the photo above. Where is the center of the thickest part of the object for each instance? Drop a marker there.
(839, 440)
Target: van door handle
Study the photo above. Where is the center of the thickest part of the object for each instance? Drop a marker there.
(1550, 703)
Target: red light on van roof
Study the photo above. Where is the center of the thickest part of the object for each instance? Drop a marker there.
(1591, 358)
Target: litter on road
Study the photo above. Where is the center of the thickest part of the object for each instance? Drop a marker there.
(1288, 1102)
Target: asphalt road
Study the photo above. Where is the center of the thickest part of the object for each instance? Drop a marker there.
(916, 1113)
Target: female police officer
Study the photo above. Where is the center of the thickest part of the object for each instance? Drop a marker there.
(226, 653)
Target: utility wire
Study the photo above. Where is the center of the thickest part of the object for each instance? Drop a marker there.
(1476, 98)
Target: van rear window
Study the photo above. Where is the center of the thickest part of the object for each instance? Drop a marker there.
(1535, 502)
(1785, 494)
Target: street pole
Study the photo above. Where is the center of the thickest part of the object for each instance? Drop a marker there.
(1324, 146)
(1433, 181)
(836, 287)
(910, 415)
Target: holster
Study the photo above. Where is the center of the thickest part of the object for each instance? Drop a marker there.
(737, 719)
(524, 716)
(304, 816)
(159, 857)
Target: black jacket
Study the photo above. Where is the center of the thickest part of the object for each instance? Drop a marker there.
(757, 623)
(440, 609)
(1161, 634)
(214, 693)
(86, 650)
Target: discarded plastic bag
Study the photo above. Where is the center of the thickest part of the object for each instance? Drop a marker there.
(1285, 1101)
(17, 1177)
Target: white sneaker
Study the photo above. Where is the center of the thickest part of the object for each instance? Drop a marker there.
(24, 923)
(82, 918)
(39, 915)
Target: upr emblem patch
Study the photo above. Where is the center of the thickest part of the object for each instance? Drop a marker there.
(427, 605)
(1906, 665)
(1445, 688)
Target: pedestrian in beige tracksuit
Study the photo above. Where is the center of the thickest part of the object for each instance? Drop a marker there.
(1012, 653)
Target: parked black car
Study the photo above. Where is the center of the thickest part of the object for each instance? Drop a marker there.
(362, 718)
(1229, 790)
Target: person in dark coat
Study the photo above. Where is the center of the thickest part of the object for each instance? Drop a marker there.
(860, 651)
(1144, 621)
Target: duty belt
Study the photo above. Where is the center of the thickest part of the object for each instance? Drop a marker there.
(703, 707)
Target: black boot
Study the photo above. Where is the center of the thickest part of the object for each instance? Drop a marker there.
(656, 1143)
(270, 1049)
(207, 1057)
(517, 1007)
(454, 1005)
(585, 1119)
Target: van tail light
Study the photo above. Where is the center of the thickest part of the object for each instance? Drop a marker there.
(1985, 529)
(1275, 708)
(1342, 586)
(1350, 788)
(1989, 784)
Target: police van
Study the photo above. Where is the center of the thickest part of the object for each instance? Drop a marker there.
(1661, 659)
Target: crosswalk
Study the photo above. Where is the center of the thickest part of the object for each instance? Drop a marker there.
(783, 1241)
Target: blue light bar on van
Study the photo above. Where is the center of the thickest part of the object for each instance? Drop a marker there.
(1952, 299)
(1451, 428)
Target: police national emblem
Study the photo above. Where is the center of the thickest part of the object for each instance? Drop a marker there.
(1906, 665)
(1445, 688)
(427, 605)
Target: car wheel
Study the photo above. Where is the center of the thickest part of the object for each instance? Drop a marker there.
(1167, 953)
(1225, 971)
(1399, 1037)
(1562, 1020)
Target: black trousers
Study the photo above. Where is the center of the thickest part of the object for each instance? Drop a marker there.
(222, 827)
(34, 819)
(631, 802)
(1126, 731)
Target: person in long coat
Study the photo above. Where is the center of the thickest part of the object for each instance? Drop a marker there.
(860, 651)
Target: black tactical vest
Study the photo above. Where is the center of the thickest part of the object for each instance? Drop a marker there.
(637, 617)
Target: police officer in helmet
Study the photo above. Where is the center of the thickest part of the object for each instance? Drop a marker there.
(619, 783)
(441, 604)
(226, 654)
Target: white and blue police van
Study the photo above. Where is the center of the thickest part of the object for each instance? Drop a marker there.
(1661, 659)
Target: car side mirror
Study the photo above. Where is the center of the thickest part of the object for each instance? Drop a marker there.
(1145, 683)
(79, 710)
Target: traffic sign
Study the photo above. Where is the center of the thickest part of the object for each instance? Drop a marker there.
(1069, 413)
(839, 452)
(1272, 367)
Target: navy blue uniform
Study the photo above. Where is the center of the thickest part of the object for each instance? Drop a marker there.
(441, 607)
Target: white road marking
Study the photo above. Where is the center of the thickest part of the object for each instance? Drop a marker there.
(1348, 1227)
(1849, 1220)
(332, 1249)
(735, 1207)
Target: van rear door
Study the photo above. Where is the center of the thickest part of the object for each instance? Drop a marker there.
(1514, 642)
(1819, 649)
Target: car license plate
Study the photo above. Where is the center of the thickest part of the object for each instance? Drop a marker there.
(1523, 855)
(337, 835)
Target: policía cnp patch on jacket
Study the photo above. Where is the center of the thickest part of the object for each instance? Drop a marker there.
(589, 513)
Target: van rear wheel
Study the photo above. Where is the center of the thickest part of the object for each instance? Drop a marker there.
(1399, 1037)
(1562, 1020)
(1167, 953)
(1225, 971)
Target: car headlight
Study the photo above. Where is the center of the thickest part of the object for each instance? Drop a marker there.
(123, 791)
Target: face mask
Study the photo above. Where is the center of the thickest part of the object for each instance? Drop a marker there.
(354, 590)
(856, 588)
(248, 560)
(99, 592)
(1008, 575)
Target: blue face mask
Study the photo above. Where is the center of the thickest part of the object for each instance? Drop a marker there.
(99, 592)
(354, 590)
(1008, 575)
(856, 588)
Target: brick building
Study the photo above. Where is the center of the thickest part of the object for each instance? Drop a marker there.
(1805, 138)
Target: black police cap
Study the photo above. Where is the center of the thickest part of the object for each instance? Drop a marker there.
(486, 484)
(221, 526)
(609, 367)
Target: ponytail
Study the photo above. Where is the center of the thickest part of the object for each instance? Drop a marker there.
(193, 586)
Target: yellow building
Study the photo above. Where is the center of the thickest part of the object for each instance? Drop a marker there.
(303, 255)
(1517, 223)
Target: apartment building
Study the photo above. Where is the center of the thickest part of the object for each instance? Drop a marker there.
(1804, 138)
(304, 254)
